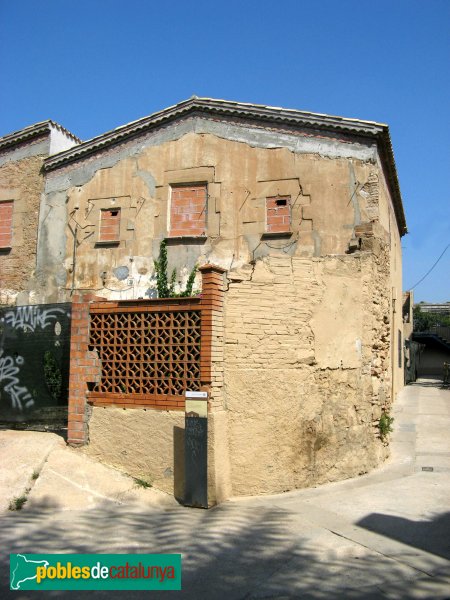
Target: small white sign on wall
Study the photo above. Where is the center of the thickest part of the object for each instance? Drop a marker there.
(196, 404)
(198, 395)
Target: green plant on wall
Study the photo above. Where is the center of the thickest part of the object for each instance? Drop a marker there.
(166, 285)
(52, 375)
(385, 425)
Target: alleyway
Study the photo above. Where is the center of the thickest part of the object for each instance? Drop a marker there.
(382, 535)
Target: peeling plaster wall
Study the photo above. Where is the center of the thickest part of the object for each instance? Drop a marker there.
(136, 177)
(299, 361)
(387, 217)
(39, 221)
(308, 320)
(37, 147)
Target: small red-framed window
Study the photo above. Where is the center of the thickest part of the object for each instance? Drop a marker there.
(109, 225)
(188, 210)
(6, 214)
(278, 214)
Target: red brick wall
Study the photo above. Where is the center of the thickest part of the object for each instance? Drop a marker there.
(109, 225)
(6, 210)
(84, 368)
(188, 210)
(212, 309)
(278, 214)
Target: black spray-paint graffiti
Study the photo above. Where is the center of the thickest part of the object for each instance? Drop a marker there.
(29, 318)
(9, 369)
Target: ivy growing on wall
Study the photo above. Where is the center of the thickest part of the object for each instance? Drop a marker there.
(166, 285)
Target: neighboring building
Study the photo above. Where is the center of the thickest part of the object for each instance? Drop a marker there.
(21, 188)
(30, 389)
(442, 308)
(303, 213)
(413, 350)
(434, 353)
(432, 333)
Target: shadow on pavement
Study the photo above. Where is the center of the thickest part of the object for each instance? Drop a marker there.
(230, 552)
(432, 536)
(430, 383)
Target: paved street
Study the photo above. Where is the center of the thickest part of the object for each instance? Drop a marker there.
(382, 535)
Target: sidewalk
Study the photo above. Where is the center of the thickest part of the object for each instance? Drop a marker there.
(382, 535)
(39, 469)
(391, 527)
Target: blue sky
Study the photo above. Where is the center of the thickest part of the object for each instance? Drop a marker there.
(93, 65)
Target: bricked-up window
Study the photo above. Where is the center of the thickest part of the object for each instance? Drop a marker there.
(6, 212)
(188, 210)
(109, 225)
(278, 214)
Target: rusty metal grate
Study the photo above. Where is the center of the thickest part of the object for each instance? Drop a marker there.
(151, 353)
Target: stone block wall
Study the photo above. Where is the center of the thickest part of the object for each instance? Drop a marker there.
(21, 185)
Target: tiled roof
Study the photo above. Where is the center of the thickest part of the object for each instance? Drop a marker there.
(33, 131)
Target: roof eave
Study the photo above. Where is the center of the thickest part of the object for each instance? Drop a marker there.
(256, 113)
(388, 161)
(31, 133)
(259, 114)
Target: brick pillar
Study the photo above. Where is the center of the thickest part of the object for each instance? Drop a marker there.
(212, 371)
(84, 367)
(211, 350)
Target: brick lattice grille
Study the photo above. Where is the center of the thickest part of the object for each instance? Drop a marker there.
(151, 353)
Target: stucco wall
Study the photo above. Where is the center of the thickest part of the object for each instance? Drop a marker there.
(300, 367)
(327, 194)
(388, 222)
(146, 444)
(308, 321)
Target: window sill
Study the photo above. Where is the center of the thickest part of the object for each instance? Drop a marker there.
(107, 244)
(185, 239)
(276, 235)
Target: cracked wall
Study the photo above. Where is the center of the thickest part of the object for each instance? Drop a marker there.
(137, 176)
(310, 317)
(306, 370)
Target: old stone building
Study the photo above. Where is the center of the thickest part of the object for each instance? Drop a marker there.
(300, 216)
(21, 187)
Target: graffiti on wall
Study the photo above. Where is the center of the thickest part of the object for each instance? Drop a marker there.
(9, 377)
(29, 318)
(34, 359)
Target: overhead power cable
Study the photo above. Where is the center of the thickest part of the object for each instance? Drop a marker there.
(429, 271)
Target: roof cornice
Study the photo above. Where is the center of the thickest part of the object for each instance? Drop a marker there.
(256, 113)
(29, 134)
(259, 115)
